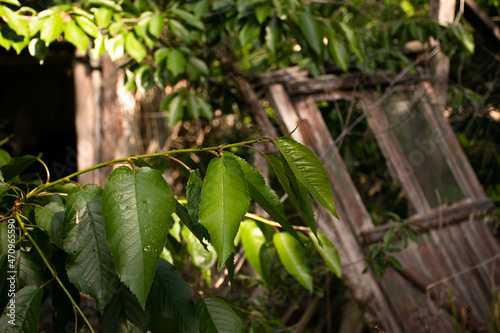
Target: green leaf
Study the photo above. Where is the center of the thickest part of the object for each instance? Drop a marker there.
(26, 311)
(76, 36)
(104, 3)
(38, 49)
(19, 46)
(161, 54)
(293, 257)
(134, 47)
(296, 191)
(136, 207)
(328, 252)
(216, 316)
(156, 24)
(199, 64)
(196, 228)
(388, 238)
(6, 43)
(50, 219)
(172, 297)
(308, 168)
(351, 39)
(12, 2)
(99, 46)
(205, 107)
(175, 110)
(124, 314)
(15, 22)
(263, 195)
(103, 17)
(253, 241)
(274, 34)
(203, 257)
(249, 33)
(178, 30)
(52, 28)
(144, 78)
(262, 12)
(193, 194)
(115, 47)
(395, 263)
(176, 62)
(311, 32)
(337, 49)
(224, 202)
(89, 265)
(201, 8)
(87, 25)
(193, 107)
(190, 19)
(30, 272)
(16, 166)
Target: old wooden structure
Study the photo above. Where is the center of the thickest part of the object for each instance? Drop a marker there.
(457, 263)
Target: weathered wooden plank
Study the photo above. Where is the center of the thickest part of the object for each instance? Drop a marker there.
(439, 275)
(413, 307)
(471, 288)
(436, 219)
(393, 153)
(296, 85)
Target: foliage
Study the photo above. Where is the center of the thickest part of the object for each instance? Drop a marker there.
(395, 240)
(166, 42)
(119, 241)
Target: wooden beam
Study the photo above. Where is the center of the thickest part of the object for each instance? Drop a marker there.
(436, 219)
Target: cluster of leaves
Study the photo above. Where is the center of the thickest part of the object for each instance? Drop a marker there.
(395, 240)
(114, 240)
(173, 41)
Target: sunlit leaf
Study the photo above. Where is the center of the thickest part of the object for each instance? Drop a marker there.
(115, 47)
(253, 241)
(136, 207)
(263, 195)
(308, 168)
(134, 47)
(224, 202)
(103, 17)
(293, 257)
(87, 25)
(328, 252)
(52, 28)
(38, 49)
(76, 36)
(176, 62)
(156, 24)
